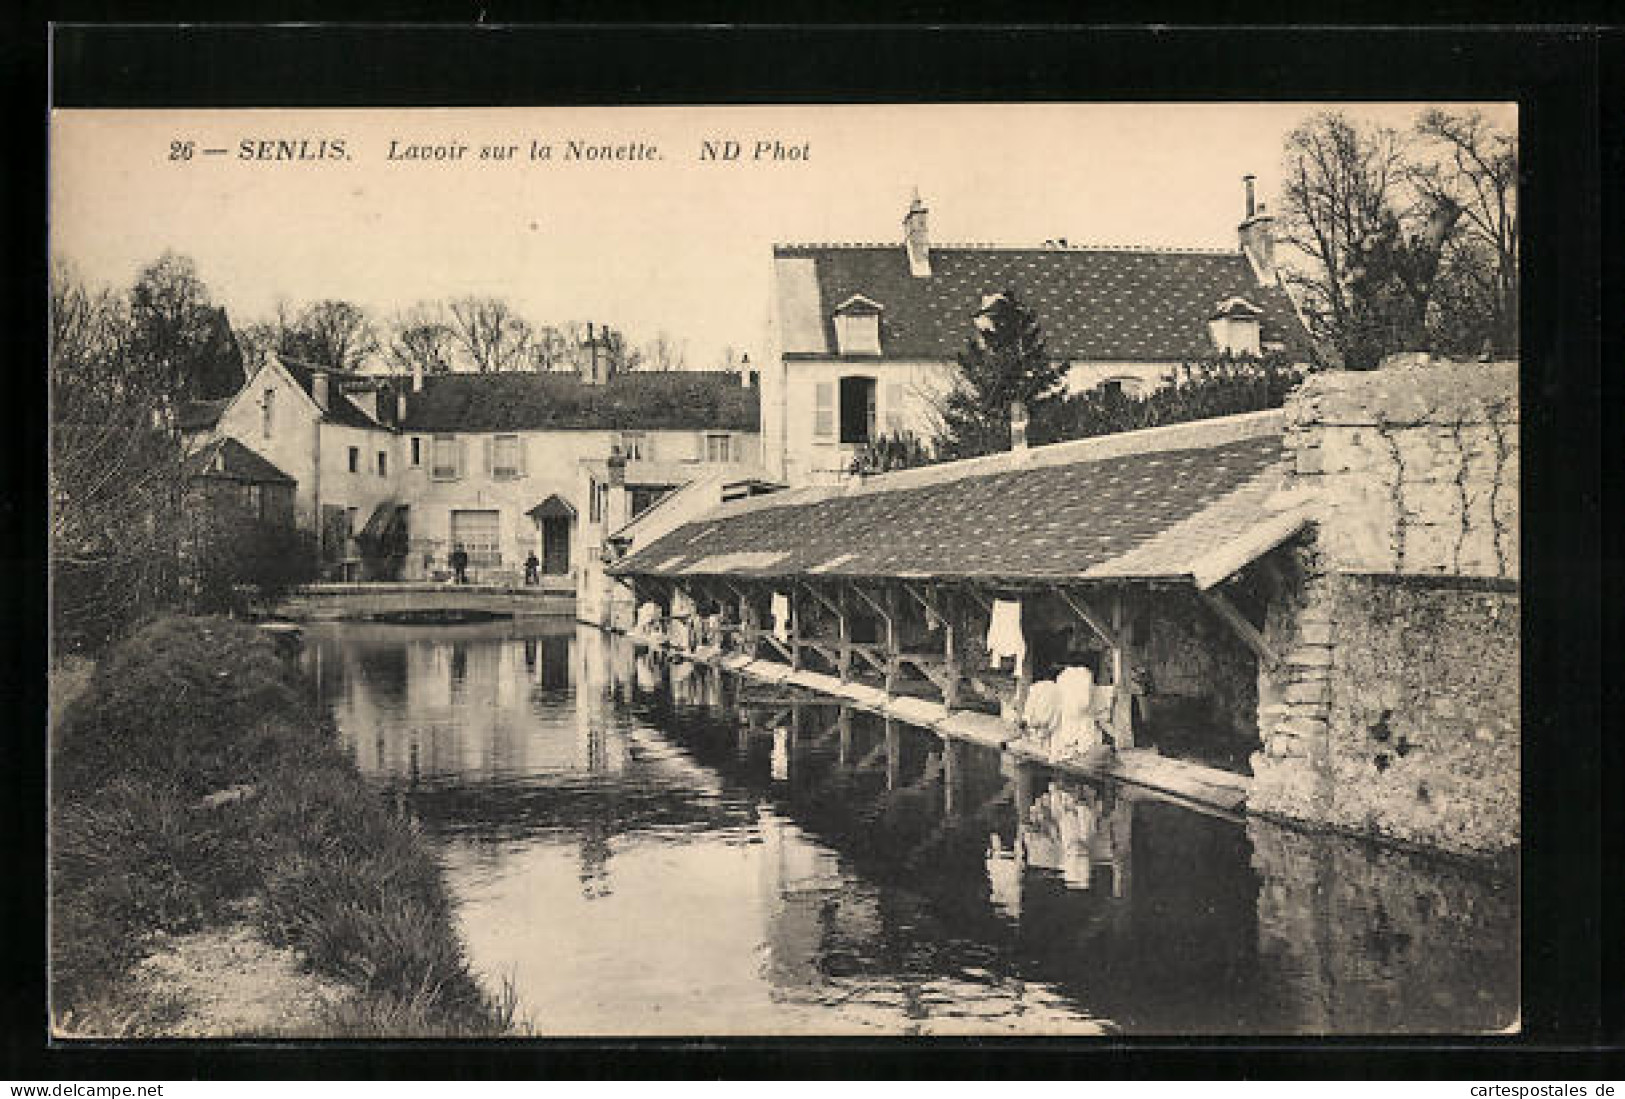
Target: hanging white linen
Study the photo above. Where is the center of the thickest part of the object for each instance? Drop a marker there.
(781, 616)
(1004, 638)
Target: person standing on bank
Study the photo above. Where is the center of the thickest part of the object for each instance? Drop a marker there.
(459, 564)
(532, 567)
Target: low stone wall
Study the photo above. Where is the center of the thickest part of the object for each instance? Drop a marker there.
(1395, 708)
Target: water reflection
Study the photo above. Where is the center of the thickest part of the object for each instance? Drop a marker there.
(659, 848)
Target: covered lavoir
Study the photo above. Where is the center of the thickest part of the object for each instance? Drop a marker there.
(943, 595)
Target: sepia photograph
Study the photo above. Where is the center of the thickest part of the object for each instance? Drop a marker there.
(790, 570)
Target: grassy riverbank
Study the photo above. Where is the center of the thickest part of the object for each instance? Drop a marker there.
(195, 790)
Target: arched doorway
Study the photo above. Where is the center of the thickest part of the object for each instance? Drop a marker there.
(555, 526)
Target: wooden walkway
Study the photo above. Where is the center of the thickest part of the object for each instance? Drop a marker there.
(1208, 789)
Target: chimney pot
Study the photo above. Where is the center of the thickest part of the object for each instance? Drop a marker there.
(917, 238)
(1248, 180)
(1018, 426)
(400, 408)
(417, 377)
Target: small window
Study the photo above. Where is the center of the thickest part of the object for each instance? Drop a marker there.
(383, 464)
(595, 508)
(265, 412)
(505, 457)
(719, 448)
(858, 334)
(824, 410)
(447, 466)
(355, 459)
(417, 452)
(635, 445)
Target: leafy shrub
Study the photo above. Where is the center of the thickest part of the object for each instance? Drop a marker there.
(239, 562)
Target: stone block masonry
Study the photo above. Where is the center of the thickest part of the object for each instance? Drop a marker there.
(1394, 711)
(1414, 469)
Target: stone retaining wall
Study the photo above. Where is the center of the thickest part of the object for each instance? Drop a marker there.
(1395, 708)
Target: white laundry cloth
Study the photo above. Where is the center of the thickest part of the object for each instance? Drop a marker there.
(1079, 732)
(1042, 714)
(648, 618)
(679, 634)
(1004, 879)
(779, 762)
(781, 616)
(1004, 633)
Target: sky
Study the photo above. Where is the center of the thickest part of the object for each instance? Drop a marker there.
(658, 240)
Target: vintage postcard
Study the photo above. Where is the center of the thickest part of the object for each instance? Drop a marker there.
(823, 569)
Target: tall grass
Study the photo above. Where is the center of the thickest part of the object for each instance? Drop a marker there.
(189, 707)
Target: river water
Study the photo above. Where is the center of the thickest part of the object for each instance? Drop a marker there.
(644, 849)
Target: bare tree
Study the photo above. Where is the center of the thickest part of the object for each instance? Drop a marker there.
(177, 330)
(116, 467)
(332, 334)
(490, 334)
(555, 347)
(665, 353)
(421, 340)
(1474, 166)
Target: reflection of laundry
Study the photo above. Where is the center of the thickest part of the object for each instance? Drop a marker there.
(678, 633)
(1076, 817)
(781, 616)
(648, 675)
(1004, 877)
(779, 766)
(1004, 637)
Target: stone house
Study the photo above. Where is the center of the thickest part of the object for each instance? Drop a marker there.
(864, 337)
(393, 472)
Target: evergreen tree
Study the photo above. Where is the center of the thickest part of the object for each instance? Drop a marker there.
(1004, 360)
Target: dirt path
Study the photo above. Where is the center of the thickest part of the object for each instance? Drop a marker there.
(221, 983)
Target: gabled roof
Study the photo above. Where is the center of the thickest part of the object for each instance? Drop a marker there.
(1162, 504)
(1095, 304)
(669, 400)
(340, 409)
(227, 459)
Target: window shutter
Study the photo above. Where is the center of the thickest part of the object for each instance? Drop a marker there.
(824, 410)
(489, 446)
(462, 457)
(524, 447)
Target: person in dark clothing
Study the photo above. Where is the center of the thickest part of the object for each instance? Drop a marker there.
(532, 569)
(459, 564)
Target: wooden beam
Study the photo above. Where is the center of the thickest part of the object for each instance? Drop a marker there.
(880, 610)
(1238, 622)
(813, 591)
(1090, 618)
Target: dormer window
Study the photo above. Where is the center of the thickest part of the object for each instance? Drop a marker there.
(857, 326)
(1234, 326)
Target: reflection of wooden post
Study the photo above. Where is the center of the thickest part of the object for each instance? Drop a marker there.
(952, 766)
(894, 752)
(795, 629)
(1024, 790)
(844, 724)
(747, 624)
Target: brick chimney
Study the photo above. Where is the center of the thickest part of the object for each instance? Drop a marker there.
(1257, 232)
(1018, 426)
(917, 238)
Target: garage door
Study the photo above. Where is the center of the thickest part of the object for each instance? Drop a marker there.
(478, 533)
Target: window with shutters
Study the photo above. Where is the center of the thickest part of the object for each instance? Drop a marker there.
(824, 411)
(447, 455)
(505, 457)
(895, 423)
(719, 448)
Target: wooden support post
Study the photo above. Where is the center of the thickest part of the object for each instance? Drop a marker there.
(1122, 690)
(894, 644)
(950, 648)
(894, 752)
(844, 622)
(795, 628)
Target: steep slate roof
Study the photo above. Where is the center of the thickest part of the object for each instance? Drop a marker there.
(1094, 304)
(1159, 507)
(673, 400)
(340, 409)
(237, 463)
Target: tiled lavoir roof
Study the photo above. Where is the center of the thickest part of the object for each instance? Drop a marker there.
(669, 400)
(229, 460)
(1096, 304)
(1115, 508)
